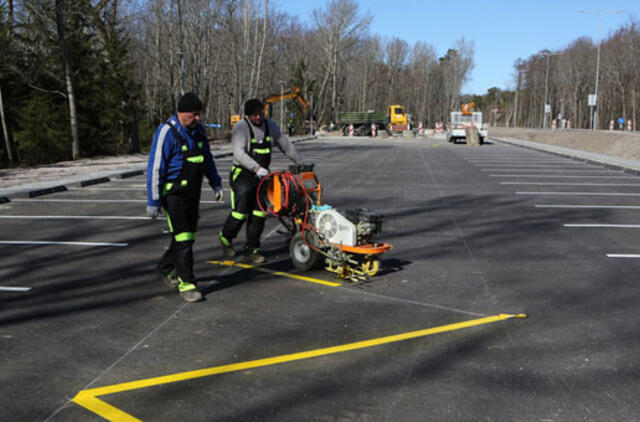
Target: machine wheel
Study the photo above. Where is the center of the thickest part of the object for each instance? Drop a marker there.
(371, 266)
(303, 257)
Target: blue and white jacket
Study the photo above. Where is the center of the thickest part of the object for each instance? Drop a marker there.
(165, 158)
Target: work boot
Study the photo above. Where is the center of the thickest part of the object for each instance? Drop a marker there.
(252, 256)
(169, 279)
(227, 246)
(189, 292)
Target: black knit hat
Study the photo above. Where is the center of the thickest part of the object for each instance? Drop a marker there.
(189, 102)
(253, 106)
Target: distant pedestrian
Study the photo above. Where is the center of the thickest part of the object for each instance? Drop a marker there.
(178, 159)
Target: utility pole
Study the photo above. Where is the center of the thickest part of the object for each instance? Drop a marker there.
(515, 111)
(600, 15)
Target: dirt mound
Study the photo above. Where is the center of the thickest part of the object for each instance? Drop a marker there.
(618, 144)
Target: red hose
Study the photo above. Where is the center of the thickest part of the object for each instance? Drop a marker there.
(290, 182)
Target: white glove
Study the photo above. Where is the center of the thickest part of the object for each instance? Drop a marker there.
(219, 195)
(262, 172)
(152, 212)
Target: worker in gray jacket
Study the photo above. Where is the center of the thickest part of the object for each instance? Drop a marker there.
(252, 140)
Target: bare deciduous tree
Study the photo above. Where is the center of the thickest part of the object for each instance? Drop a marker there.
(73, 114)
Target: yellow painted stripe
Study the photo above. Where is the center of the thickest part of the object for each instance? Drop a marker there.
(89, 401)
(282, 273)
(87, 398)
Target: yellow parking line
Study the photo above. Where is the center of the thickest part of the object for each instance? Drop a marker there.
(89, 398)
(282, 273)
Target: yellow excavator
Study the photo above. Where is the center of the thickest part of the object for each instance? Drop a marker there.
(291, 93)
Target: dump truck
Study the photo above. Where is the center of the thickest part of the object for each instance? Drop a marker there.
(395, 120)
(361, 122)
(464, 119)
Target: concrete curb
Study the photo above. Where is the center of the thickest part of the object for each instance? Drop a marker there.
(82, 180)
(609, 161)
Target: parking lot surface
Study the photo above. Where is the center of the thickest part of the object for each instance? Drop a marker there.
(481, 235)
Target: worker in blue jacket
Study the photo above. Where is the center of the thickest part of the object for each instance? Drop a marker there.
(178, 159)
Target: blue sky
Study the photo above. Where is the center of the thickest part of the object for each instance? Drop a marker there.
(502, 31)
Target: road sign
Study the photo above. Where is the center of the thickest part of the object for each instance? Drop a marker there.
(547, 108)
(593, 99)
(621, 120)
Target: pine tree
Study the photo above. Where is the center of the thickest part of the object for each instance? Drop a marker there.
(106, 97)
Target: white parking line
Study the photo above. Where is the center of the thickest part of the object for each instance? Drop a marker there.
(14, 289)
(606, 226)
(503, 157)
(622, 255)
(519, 160)
(580, 193)
(554, 170)
(47, 242)
(74, 217)
(613, 207)
(101, 201)
(568, 184)
(533, 166)
(140, 189)
(108, 189)
(518, 163)
(560, 176)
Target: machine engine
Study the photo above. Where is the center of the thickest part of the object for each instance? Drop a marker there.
(368, 223)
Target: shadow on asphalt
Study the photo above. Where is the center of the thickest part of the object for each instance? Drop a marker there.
(96, 278)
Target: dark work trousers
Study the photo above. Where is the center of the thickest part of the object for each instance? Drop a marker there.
(182, 216)
(244, 207)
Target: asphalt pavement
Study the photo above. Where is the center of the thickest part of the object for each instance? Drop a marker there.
(481, 235)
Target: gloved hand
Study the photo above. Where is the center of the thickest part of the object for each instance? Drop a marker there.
(262, 172)
(219, 195)
(152, 212)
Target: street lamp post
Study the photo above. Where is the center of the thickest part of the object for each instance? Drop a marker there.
(600, 15)
(281, 105)
(515, 111)
(546, 86)
(311, 110)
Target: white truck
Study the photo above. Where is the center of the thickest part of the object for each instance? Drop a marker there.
(461, 121)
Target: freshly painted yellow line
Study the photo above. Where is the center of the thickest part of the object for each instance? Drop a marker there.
(282, 273)
(89, 398)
